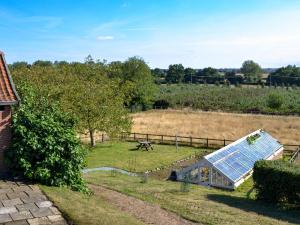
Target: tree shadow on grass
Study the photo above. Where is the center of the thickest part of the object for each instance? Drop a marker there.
(291, 215)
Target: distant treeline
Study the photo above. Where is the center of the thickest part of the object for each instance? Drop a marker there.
(249, 73)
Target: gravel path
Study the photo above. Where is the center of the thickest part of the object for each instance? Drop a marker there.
(146, 212)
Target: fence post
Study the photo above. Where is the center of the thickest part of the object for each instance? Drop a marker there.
(162, 138)
(224, 142)
(206, 142)
(191, 141)
(102, 137)
(176, 142)
(147, 135)
(134, 136)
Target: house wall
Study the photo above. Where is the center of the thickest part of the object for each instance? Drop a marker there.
(5, 133)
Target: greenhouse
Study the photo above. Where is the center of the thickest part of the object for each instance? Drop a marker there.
(231, 165)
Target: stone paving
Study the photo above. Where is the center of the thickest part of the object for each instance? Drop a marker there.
(25, 204)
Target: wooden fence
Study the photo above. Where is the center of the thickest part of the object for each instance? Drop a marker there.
(180, 140)
(295, 155)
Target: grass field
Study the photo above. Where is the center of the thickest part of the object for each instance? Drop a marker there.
(215, 124)
(201, 204)
(124, 155)
(87, 210)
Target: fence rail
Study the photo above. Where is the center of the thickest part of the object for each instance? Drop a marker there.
(295, 155)
(181, 140)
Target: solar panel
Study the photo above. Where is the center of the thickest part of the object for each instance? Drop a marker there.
(237, 159)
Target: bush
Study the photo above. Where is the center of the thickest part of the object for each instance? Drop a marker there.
(277, 181)
(275, 101)
(45, 146)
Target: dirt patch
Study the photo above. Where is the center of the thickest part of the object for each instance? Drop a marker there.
(146, 212)
(216, 124)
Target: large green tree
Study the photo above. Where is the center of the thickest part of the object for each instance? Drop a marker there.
(252, 71)
(175, 73)
(135, 78)
(98, 104)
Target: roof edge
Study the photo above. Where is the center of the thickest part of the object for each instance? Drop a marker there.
(9, 103)
(10, 81)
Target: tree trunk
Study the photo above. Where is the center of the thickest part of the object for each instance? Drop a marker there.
(93, 143)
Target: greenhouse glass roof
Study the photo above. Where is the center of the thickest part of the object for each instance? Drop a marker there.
(237, 159)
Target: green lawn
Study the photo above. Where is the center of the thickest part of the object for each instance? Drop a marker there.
(124, 155)
(87, 210)
(201, 204)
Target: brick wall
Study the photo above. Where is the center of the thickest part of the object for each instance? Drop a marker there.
(5, 133)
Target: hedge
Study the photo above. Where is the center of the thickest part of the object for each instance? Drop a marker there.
(277, 181)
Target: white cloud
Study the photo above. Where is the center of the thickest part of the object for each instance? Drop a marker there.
(105, 38)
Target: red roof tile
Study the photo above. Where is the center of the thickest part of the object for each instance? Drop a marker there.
(8, 94)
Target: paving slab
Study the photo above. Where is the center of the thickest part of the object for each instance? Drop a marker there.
(43, 204)
(5, 218)
(5, 190)
(27, 206)
(6, 210)
(3, 197)
(17, 194)
(40, 221)
(20, 222)
(12, 202)
(34, 199)
(55, 211)
(57, 219)
(41, 212)
(21, 215)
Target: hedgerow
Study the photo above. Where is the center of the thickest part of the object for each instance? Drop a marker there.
(45, 146)
(277, 181)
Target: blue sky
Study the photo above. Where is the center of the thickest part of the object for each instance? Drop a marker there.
(196, 33)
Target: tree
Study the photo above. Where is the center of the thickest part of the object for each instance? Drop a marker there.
(45, 144)
(175, 73)
(289, 74)
(97, 102)
(136, 80)
(20, 65)
(211, 75)
(42, 63)
(189, 75)
(252, 71)
(159, 75)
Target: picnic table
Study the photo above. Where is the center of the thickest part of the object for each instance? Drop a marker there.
(144, 144)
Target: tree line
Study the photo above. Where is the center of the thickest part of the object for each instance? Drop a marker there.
(249, 73)
(95, 93)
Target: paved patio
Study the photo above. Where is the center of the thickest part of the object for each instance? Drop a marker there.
(25, 204)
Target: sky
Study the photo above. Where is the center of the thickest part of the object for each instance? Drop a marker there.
(196, 33)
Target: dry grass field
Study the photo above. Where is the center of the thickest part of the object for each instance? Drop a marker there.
(216, 124)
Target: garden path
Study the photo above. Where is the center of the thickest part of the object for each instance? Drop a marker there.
(25, 204)
(146, 212)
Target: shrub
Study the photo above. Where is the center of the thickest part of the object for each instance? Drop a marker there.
(277, 181)
(45, 146)
(274, 101)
